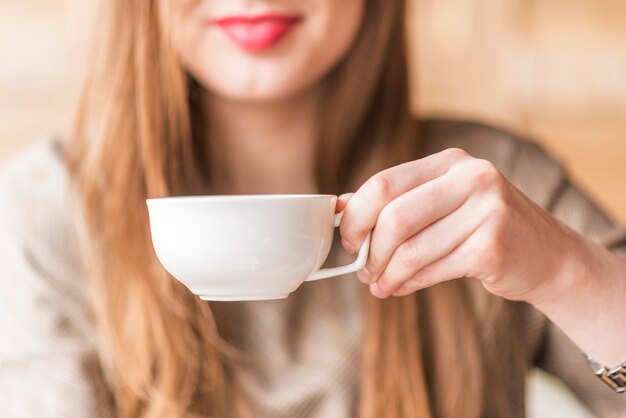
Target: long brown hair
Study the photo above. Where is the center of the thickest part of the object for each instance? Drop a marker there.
(159, 350)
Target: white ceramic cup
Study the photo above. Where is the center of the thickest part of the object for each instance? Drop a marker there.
(246, 247)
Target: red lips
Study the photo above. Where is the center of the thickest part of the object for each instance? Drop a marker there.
(257, 33)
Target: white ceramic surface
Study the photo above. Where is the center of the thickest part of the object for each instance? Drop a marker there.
(246, 247)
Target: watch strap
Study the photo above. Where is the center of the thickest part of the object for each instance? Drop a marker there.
(614, 378)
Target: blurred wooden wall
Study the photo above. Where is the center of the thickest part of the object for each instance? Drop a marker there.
(553, 69)
(42, 45)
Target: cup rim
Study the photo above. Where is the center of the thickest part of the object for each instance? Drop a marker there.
(239, 197)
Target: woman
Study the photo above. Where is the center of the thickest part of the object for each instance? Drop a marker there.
(295, 96)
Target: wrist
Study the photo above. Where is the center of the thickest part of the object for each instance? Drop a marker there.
(569, 278)
(584, 277)
(585, 300)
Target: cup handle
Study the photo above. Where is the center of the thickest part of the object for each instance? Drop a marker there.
(358, 264)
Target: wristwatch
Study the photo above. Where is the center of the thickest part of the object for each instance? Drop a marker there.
(614, 378)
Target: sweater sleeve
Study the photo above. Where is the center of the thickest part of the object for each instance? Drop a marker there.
(44, 335)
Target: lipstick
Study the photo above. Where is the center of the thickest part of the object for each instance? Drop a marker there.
(257, 33)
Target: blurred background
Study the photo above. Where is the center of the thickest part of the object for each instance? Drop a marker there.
(551, 69)
(554, 70)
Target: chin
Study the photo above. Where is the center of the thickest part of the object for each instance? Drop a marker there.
(255, 88)
(267, 95)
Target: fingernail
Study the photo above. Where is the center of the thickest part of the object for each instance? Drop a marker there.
(347, 246)
(375, 290)
(398, 292)
(345, 197)
(364, 275)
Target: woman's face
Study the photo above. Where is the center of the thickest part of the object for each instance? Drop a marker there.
(262, 50)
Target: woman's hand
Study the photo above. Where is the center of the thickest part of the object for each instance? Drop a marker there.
(450, 215)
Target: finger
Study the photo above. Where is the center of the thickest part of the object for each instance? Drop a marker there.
(410, 213)
(364, 206)
(426, 247)
(447, 268)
